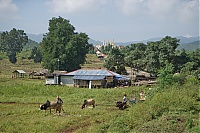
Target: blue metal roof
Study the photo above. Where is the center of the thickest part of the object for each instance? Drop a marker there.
(95, 72)
(88, 77)
(121, 77)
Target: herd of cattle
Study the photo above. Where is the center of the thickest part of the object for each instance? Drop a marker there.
(57, 105)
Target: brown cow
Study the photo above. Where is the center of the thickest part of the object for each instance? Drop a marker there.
(51, 105)
(88, 103)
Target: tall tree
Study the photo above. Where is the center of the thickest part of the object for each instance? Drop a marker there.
(167, 50)
(36, 55)
(62, 47)
(135, 56)
(106, 49)
(160, 53)
(12, 43)
(192, 66)
(181, 58)
(115, 61)
(152, 58)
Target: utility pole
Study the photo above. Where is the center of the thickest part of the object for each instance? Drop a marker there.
(58, 64)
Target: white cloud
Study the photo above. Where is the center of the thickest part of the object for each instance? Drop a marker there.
(189, 10)
(131, 7)
(74, 6)
(8, 10)
(174, 17)
(156, 9)
(159, 9)
(162, 9)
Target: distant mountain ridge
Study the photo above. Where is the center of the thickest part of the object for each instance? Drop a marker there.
(183, 40)
(38, 38)
(190, 46)
(188, 43)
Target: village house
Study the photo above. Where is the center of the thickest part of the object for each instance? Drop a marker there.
(90, 78)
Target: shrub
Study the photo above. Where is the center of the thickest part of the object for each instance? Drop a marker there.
(191, 80)
(119, 125)
(165, 76)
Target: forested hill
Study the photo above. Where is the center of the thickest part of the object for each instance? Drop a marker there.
(37, 38)
(189, 46)
(31, 44)
(187, 43)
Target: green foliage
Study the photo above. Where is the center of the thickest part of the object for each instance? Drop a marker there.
(106, 49)
(174, 109)
(153, 56)
(2, 55)
(161, 52)
(194, 62)
(115, 61)
(30, 45)
(189, 46)
(63, 47)
(179, 79)
(165, 77)
(135, 56)
(102, 128)
(191, 80)
(12, 43)
(119, 125)
(36, 55)
(181, 58)
(91, 49)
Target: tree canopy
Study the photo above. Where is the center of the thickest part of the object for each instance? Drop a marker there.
(115, 61)
(62, 47)
(12, 43)
(154, 56)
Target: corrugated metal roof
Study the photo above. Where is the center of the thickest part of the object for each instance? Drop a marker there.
(121, 77)
(88, 77)
(95, 72)
(19, 71)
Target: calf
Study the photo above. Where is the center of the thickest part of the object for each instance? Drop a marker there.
(51, 105)
(88, 102)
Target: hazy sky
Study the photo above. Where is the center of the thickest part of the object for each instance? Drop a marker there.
(121, 20)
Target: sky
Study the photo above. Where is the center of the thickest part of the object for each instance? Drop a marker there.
(105, 20)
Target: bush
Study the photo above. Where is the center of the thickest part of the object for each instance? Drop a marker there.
(191, 80)
(119, 125)
(165, 76)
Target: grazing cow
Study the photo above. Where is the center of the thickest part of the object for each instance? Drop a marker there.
(88, 102)
(51, 105)
(121, 105)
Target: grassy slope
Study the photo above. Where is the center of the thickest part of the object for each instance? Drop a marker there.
(173, 110)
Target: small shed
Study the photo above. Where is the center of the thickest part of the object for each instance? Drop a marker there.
(18, 74)
(56, 78)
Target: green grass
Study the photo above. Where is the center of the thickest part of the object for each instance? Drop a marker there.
(20, 107)
(93, 62)
(164, 112)
(175, 109)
